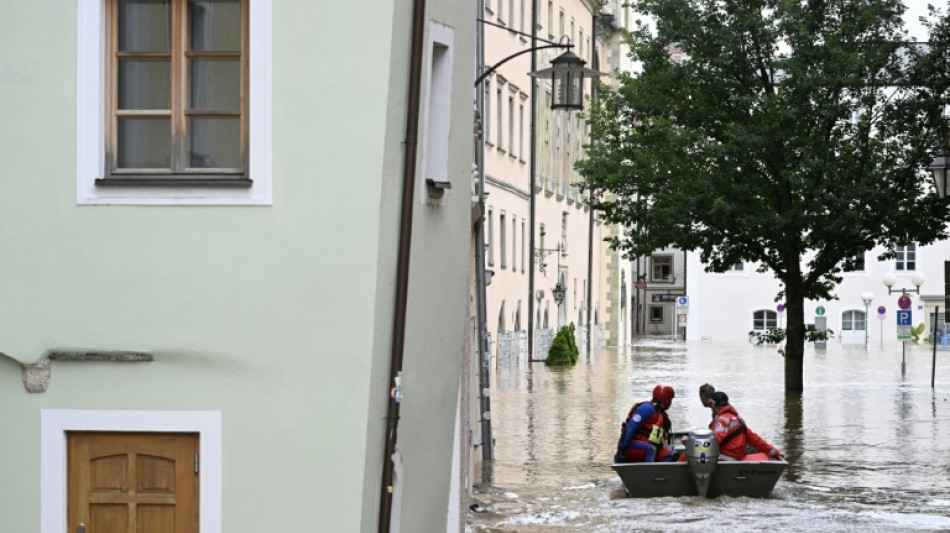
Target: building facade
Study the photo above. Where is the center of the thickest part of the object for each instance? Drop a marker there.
(562, 226)
(730, 305)
(203, 264)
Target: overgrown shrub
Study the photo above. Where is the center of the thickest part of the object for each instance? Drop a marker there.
(563, 350)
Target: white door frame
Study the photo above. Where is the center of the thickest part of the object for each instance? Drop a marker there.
(56, 422)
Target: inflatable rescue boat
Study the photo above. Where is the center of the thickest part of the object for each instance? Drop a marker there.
(702, 474)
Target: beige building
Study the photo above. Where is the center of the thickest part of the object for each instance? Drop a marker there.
(562, 225)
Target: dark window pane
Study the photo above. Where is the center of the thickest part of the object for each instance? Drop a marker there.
(144, 84)
(215, 84)
(144, 25)
(214, 25)
(215, 142)
(144, 142)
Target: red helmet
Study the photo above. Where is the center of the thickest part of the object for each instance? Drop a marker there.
(664, 394)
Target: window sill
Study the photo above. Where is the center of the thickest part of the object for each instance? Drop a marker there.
(215, 180)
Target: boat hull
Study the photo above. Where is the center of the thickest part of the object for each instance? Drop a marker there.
(754, 479)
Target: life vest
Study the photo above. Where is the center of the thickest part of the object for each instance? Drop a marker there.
(655, 429)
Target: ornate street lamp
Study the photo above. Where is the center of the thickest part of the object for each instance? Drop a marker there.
(567, 73)
(558, 293)
(890, 279)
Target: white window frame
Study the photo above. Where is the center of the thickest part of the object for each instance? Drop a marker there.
(90, 121)
(900, 262)
(766, 314)
(850, 324)
(55, 423)
(437, 112)
(503, 238)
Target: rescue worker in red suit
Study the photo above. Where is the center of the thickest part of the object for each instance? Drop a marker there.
(733, 435)
(645, 435)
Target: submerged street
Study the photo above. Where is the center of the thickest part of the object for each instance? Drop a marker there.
(866, 444)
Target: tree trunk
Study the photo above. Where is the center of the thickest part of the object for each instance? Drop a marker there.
(795, 337)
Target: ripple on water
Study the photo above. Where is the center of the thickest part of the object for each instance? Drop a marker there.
(859, 439)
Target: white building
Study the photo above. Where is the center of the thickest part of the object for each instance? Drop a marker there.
(727, 306)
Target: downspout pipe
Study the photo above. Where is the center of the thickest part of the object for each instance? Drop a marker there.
(410, 148)
(481, 297)
(532, 169)
(595, 63)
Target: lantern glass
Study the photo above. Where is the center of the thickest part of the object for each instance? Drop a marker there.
(939, 170)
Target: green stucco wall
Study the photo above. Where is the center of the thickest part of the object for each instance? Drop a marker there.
(279, 316)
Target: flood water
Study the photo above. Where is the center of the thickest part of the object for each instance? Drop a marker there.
(868, 445)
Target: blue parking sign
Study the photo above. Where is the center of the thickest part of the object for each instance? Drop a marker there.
(904, 317)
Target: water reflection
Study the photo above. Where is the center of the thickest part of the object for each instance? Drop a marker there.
(865, 442)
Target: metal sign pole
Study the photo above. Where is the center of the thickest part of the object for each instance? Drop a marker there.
(933, 366)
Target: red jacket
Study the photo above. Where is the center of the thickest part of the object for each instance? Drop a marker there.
(733, 435)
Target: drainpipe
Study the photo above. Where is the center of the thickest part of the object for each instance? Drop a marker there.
(532, 169)
(595, 64)
(481, 298)
(402, 268)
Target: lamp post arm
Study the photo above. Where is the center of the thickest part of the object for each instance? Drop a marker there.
(516, 32)
(494, 67)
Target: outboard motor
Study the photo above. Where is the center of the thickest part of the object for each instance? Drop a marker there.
(702, 454)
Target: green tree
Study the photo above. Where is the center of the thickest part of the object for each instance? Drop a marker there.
(794, 134)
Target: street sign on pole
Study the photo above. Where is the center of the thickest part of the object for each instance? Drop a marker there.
(682, 305)
(904, 324)
(904, 302)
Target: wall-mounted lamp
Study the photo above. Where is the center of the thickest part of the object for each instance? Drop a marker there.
(939, 170)
(558, 293)
(567, 75)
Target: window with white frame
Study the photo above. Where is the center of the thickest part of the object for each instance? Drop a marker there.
(853, 321)
(521, 129)
(564, 232)
(522, 245)
(550, 20)
(514, 243)
(500, 139)
(503, 239)
(905, 259)
(855, 263)
(522, 11)
(656, 313)
(511, 125)
(661, 268)
(176, 87)
(764, 320)
(486, 118)
(164, 105)
(490, 241)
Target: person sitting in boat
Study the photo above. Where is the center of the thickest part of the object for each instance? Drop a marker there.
(733, 435)
(645, 434)
(705, 395)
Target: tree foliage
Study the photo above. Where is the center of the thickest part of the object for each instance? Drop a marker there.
(792, 134)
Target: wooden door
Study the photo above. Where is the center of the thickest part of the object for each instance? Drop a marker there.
(133, 482)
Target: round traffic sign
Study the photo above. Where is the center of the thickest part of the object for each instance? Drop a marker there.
(881, 310)
(820, 310)
(904, 302)
(780, 308)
